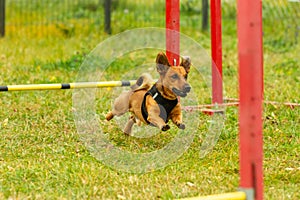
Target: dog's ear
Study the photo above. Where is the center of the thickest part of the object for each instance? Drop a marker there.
(162, 63)
(186, 63)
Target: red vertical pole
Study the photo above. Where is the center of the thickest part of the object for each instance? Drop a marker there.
(251, 96)
(216, 51)
(172, 31)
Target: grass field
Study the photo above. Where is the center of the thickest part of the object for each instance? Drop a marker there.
(43, 157)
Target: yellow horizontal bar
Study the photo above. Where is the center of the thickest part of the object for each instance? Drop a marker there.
(225, 196)
(58, 86)
(98, 84)
(34, 87)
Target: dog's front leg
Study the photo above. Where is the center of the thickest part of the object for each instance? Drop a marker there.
(156, 120)
(153, 114)
(176, 117)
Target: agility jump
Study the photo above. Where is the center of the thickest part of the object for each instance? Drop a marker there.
(250, 86)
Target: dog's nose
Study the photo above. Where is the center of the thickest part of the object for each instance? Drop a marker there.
(187, 88)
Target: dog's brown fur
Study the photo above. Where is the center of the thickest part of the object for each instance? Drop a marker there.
(171, 84)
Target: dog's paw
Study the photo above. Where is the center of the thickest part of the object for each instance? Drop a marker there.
(165, 127)
(181, 126)
(127, 130)
(127, 133)
(109, 116)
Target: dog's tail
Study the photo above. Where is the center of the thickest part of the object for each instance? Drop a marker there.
(145, 81)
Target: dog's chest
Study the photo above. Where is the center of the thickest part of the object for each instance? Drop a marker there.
(165, 105)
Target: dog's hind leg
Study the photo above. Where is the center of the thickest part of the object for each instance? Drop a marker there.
(129, 124)
(109, 116)
(121, 105)
(116, 111)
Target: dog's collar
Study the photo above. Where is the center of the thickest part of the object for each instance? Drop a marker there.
(165, 105)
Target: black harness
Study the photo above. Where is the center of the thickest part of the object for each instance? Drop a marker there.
(165, 105)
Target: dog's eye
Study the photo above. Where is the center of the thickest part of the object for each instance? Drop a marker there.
(174, 76)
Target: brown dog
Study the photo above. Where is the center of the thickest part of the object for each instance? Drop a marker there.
(159, 104)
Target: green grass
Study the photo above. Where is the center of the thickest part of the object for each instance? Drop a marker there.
(43, 157)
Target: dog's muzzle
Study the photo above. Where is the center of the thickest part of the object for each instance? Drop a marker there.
(182, 93)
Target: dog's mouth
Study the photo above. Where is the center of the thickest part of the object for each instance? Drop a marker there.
(180, 92)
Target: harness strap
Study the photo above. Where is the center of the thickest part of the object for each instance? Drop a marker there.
(165, 105)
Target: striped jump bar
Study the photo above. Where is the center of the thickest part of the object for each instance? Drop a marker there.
(63, 86)
(226, 196)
